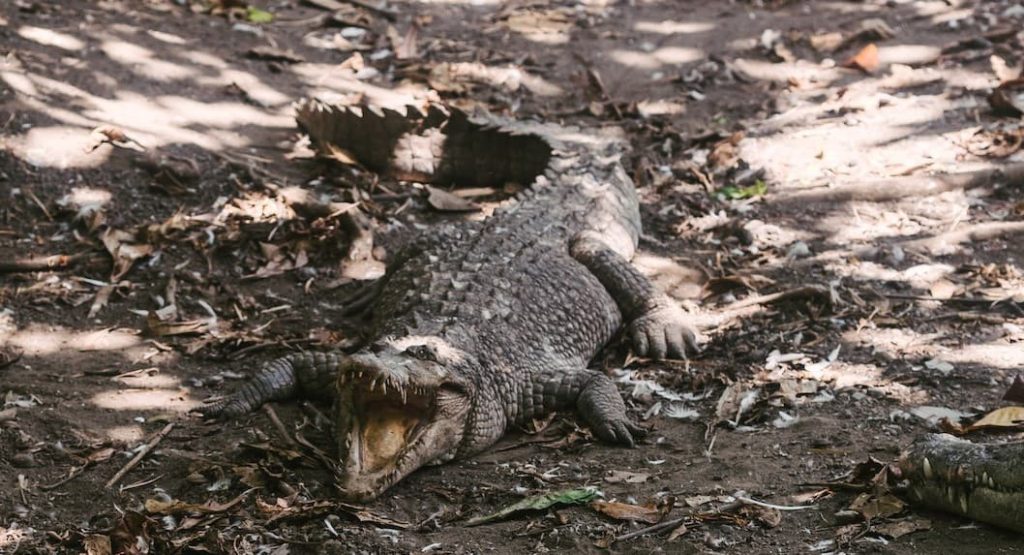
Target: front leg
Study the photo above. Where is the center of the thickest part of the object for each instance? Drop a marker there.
(657, 326)
(592, 394)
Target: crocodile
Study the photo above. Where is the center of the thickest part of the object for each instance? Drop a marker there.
(981, 481)
(481, 325)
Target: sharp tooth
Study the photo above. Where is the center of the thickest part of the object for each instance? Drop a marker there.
(963, 503)
(927, 466)
(950, 494)
(916, 493)
(991, 483)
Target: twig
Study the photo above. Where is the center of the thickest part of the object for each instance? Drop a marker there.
(156, 439)
(278, 424)
(749, 501)
(142, 483)
(796, 293)
(652, 529)
(45, 263)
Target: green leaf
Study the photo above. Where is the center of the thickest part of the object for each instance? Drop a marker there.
(256, 15)
(731, 192)
(577, 496)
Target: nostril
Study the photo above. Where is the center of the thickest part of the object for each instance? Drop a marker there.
(377, 348)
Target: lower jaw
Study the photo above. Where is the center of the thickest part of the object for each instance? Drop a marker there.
(1003, 509)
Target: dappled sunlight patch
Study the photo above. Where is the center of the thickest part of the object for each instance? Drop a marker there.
(144, 62)
(334, 85)
(785, 72)
(679, 281)
(148, 379)
(670, 27)
(125, 434)
(1010, 357)
(908, 54)
(920, 277)
(57, 147)
(168, 38)
(44, 340)
(917, 347)
(667, 55)
(849, 376)
(163, 400)
(254, 88)
(49, 37)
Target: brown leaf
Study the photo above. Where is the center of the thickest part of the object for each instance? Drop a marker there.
(97, 544)
(1003, 417)
(624, 511)
(900, 528)
(872, 507)
(158, 328)
(866, 60)
(765, 516)
(122, 251)
(679, 532)
(174, 506)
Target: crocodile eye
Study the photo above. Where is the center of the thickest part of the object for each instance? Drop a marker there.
(422, 352)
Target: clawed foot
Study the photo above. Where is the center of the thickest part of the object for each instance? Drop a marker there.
(663, 332)
(621, 431)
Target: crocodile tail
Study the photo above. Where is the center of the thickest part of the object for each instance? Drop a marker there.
(308, 373)
(440, 145)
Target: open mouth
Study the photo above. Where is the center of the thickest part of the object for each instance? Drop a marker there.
(386, 423)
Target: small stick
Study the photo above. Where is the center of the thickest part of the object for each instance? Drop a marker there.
(278, 424)
(44, 263)
(141, 454)
(142, 483)
(798, 292)
(652, 529)
(749, 501)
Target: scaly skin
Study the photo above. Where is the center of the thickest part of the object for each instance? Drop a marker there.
(983, 482)
(482, 326)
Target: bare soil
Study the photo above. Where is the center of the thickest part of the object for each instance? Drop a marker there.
(764, 166)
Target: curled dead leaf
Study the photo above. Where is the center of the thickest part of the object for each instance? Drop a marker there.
(625, 511)
(865, 60)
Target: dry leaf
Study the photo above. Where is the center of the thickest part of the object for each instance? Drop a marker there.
(623, 476)
(900, 528)
(624, 511)
(872, 507)
(866, 60)
(173, 506)
(97, 544)
(1004, 417)
(765, 516)
(680, 531)
(124, 253)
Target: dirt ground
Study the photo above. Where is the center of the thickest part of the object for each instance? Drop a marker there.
(779, 147)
